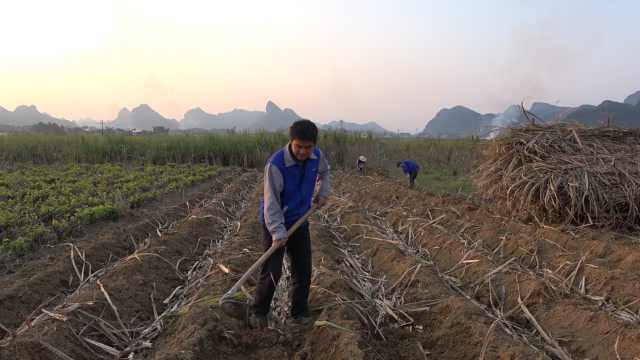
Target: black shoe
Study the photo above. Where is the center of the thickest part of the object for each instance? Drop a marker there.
(302, 320)
(258, 321)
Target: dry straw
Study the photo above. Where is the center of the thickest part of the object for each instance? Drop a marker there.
(566, 174)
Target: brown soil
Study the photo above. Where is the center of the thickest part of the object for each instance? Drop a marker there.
(470, 241)
(204, 331)
(46, 276)
(152, 271)
(453, 266)
(451, 329)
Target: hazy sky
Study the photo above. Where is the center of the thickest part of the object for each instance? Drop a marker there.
(394, 62)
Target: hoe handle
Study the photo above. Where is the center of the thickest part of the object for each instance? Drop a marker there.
(265, 256)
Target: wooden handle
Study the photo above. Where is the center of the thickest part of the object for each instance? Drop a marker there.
(265, 256)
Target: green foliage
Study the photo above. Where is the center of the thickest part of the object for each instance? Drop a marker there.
(246, 150)
(51, 184)
(44, 203)
(16, 246)
(457, 156)
(439, 182)
(249, 150)
(92, 214)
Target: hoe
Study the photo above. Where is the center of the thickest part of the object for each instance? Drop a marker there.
(239, 309)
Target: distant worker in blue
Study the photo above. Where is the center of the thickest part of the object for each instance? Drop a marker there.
(290, 178)
(361, 163)
(410, 169)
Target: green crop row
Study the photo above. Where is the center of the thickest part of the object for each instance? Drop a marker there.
(446, 163)
(42, 204)
(246, 150)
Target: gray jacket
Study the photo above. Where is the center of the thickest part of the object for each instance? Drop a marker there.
(273, 186)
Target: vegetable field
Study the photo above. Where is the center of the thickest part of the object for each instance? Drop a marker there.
(41, 204)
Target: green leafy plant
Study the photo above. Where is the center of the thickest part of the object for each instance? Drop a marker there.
(44, 203)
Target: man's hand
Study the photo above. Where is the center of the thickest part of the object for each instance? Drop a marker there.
(320, 201)
(278, 242)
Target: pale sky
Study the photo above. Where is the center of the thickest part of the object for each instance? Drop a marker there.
(395, 62)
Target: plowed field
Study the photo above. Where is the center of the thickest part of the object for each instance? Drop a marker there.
(398, 274)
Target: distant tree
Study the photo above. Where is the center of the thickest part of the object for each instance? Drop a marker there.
(160, 130)
(48, 128)
(9, 129)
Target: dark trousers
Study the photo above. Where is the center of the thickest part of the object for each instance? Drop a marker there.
(412, 178)
(299, 250)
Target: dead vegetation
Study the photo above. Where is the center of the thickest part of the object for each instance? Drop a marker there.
(564, 174)
(380, 301)
(561, 290)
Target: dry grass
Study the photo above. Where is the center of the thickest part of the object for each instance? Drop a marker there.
(566, 174)
(379, 303)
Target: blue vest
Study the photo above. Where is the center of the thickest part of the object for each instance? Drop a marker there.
(299, 185)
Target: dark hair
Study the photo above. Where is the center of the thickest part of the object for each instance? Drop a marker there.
(398, 163)
(304, 129)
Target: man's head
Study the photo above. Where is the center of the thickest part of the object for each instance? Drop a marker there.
(399, 163)
(303, 135)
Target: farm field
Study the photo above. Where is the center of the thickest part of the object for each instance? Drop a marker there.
(386, 180)
(399, 274)
(42, 204)
(446, 163)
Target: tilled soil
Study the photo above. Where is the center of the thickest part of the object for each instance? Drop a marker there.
(558, 273)
(148, 266)
(398, 274)
(47, 276)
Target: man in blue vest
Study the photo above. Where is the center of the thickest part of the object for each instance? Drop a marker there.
(290, 178)
(410, 169)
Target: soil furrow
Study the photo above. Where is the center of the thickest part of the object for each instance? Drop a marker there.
(49, 276)
(461, 254)
(116, 309)
(451, 326)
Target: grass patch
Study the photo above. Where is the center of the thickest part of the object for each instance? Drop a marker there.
(439, 181)
(442, 183)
